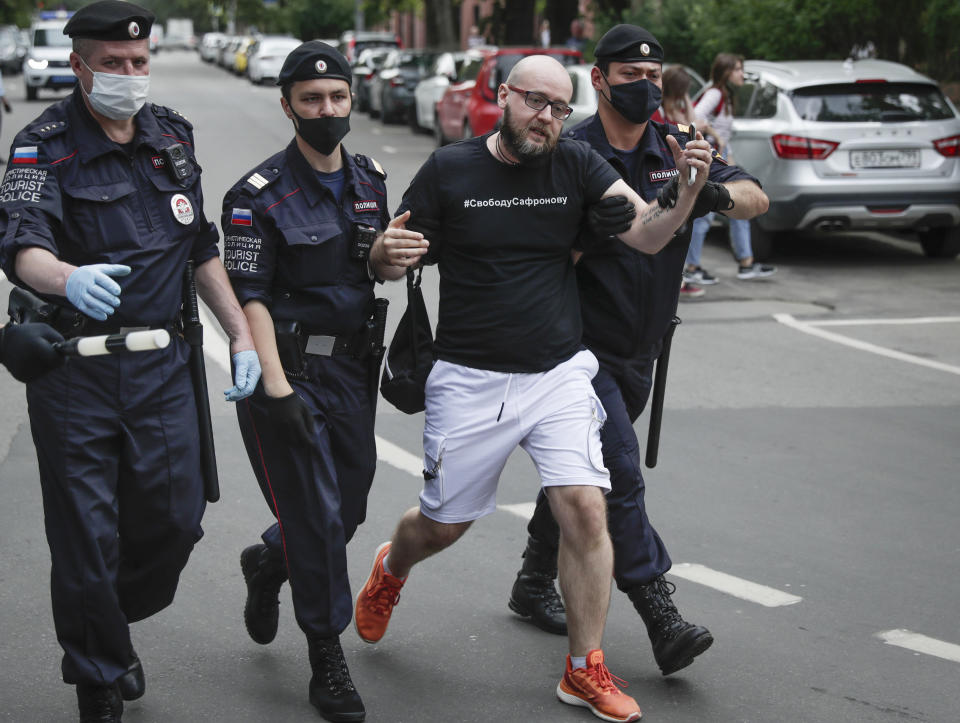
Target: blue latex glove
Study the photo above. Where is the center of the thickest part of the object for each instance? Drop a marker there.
(246, 374)
(92, 291)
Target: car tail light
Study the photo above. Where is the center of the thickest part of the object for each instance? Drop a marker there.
(396, 81)
(949, 147)
(369, 76)
(800, 148)
(399, 42)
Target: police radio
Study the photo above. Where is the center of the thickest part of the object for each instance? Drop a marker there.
(177, 162)
(363, 238)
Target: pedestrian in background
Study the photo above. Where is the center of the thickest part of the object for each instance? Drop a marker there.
(112, 189)
(306, 236)
(717, 105)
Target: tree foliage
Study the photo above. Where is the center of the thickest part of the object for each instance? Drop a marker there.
(921, 34)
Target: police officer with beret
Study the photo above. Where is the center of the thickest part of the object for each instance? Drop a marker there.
(628, 301)
(307, 232)
(101, 211)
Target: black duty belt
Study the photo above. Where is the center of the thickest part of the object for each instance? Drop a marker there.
(71, 325)
(324, 345)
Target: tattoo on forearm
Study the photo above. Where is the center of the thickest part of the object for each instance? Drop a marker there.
(652, 213)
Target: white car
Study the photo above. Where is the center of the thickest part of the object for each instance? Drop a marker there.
(445, 70)
(265, 58)
(850, 145)
(47, 62)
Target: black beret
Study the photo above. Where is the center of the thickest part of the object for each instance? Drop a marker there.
(628, 43)
(110, 20)
(315, 59)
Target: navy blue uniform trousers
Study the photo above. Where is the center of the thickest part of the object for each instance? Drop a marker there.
(639, 554)
(116, 440)
(318, 494)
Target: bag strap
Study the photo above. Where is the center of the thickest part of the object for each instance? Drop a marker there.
(413, 289)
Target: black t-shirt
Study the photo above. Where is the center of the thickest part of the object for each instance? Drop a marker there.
(502, 237)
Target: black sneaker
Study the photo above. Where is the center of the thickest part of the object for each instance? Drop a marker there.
(534, 596)
(699, 276)
(264, 574)
(132, 684)
(331, 689)
(99, 703)
(755, 271)
(675, 641)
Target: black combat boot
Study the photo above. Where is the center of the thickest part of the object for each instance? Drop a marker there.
(99, 703)
(132, 684)
(264, 573)
(534, 593)
(331, 690)
(675, 641)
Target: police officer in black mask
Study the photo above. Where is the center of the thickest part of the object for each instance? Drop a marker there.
(307, 234)
(628, 300)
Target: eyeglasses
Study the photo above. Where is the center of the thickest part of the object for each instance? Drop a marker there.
(538, 101)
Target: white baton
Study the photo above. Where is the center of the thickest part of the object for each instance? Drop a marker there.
(147, 340)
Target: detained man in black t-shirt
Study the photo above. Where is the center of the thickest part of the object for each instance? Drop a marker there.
(502, 213)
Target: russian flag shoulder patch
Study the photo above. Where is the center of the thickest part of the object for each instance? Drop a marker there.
(241, 217)
(25, 154)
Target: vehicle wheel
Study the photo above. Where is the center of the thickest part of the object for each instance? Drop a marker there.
(941, 243)
(412, 120)
(361, 103)
(386, 116)
(761, 241)
(438, 131)
(31, 93)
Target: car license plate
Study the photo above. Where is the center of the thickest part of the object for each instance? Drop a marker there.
(885, 159)
(64, 78)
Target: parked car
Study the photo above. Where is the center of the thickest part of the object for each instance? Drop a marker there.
(210, 46)
(266, 57)
(227, 52)
(12, 50)
(584, 100)
(446, 69)
(352, 42)
(239, 66)
(47, 62)
(364, 71)
(391, 90)
(469, 108)
(858, 145)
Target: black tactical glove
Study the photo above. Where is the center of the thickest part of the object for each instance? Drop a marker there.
(292, 417)
(610, 216)
(668, 193)
(27, 350)
(712, 197)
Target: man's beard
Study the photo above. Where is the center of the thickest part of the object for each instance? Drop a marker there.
(526, 151)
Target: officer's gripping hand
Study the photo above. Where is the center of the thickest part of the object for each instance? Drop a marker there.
(610, 216)
(292, 417)
(712, 197)
(92, 291)
(27, 350)
(246, 374)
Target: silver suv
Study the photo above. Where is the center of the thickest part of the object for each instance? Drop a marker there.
(859, 145)
(47, 63)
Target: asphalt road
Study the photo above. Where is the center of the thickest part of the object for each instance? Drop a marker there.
(807, 490)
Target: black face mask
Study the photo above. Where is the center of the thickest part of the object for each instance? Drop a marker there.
(322, 134)
(635, 101)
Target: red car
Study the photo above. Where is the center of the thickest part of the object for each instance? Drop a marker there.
(469, 107)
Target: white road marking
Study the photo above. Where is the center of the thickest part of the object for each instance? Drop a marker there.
(389, 149)
(921, 644)
(736, 586)
(872, 322)
(400, 458)
(524, 509)
(811, 328)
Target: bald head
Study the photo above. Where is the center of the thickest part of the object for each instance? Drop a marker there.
(544, 74)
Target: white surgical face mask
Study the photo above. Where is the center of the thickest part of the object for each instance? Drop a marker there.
(117, 97)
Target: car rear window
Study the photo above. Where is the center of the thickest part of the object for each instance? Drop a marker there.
(416, 61)
(859, 102)
(470, 69)
(51, 38)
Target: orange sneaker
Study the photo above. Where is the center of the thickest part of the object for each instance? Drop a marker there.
(375, 601)
(594, 687)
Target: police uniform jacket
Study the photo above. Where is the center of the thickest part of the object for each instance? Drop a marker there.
(628, 298)
(71, 190)
(287, 240)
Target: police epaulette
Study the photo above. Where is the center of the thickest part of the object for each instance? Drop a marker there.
(260, 179)
(370, 164)
(48, 130)
(163, 111)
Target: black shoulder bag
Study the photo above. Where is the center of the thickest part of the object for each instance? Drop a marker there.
(410, 355)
